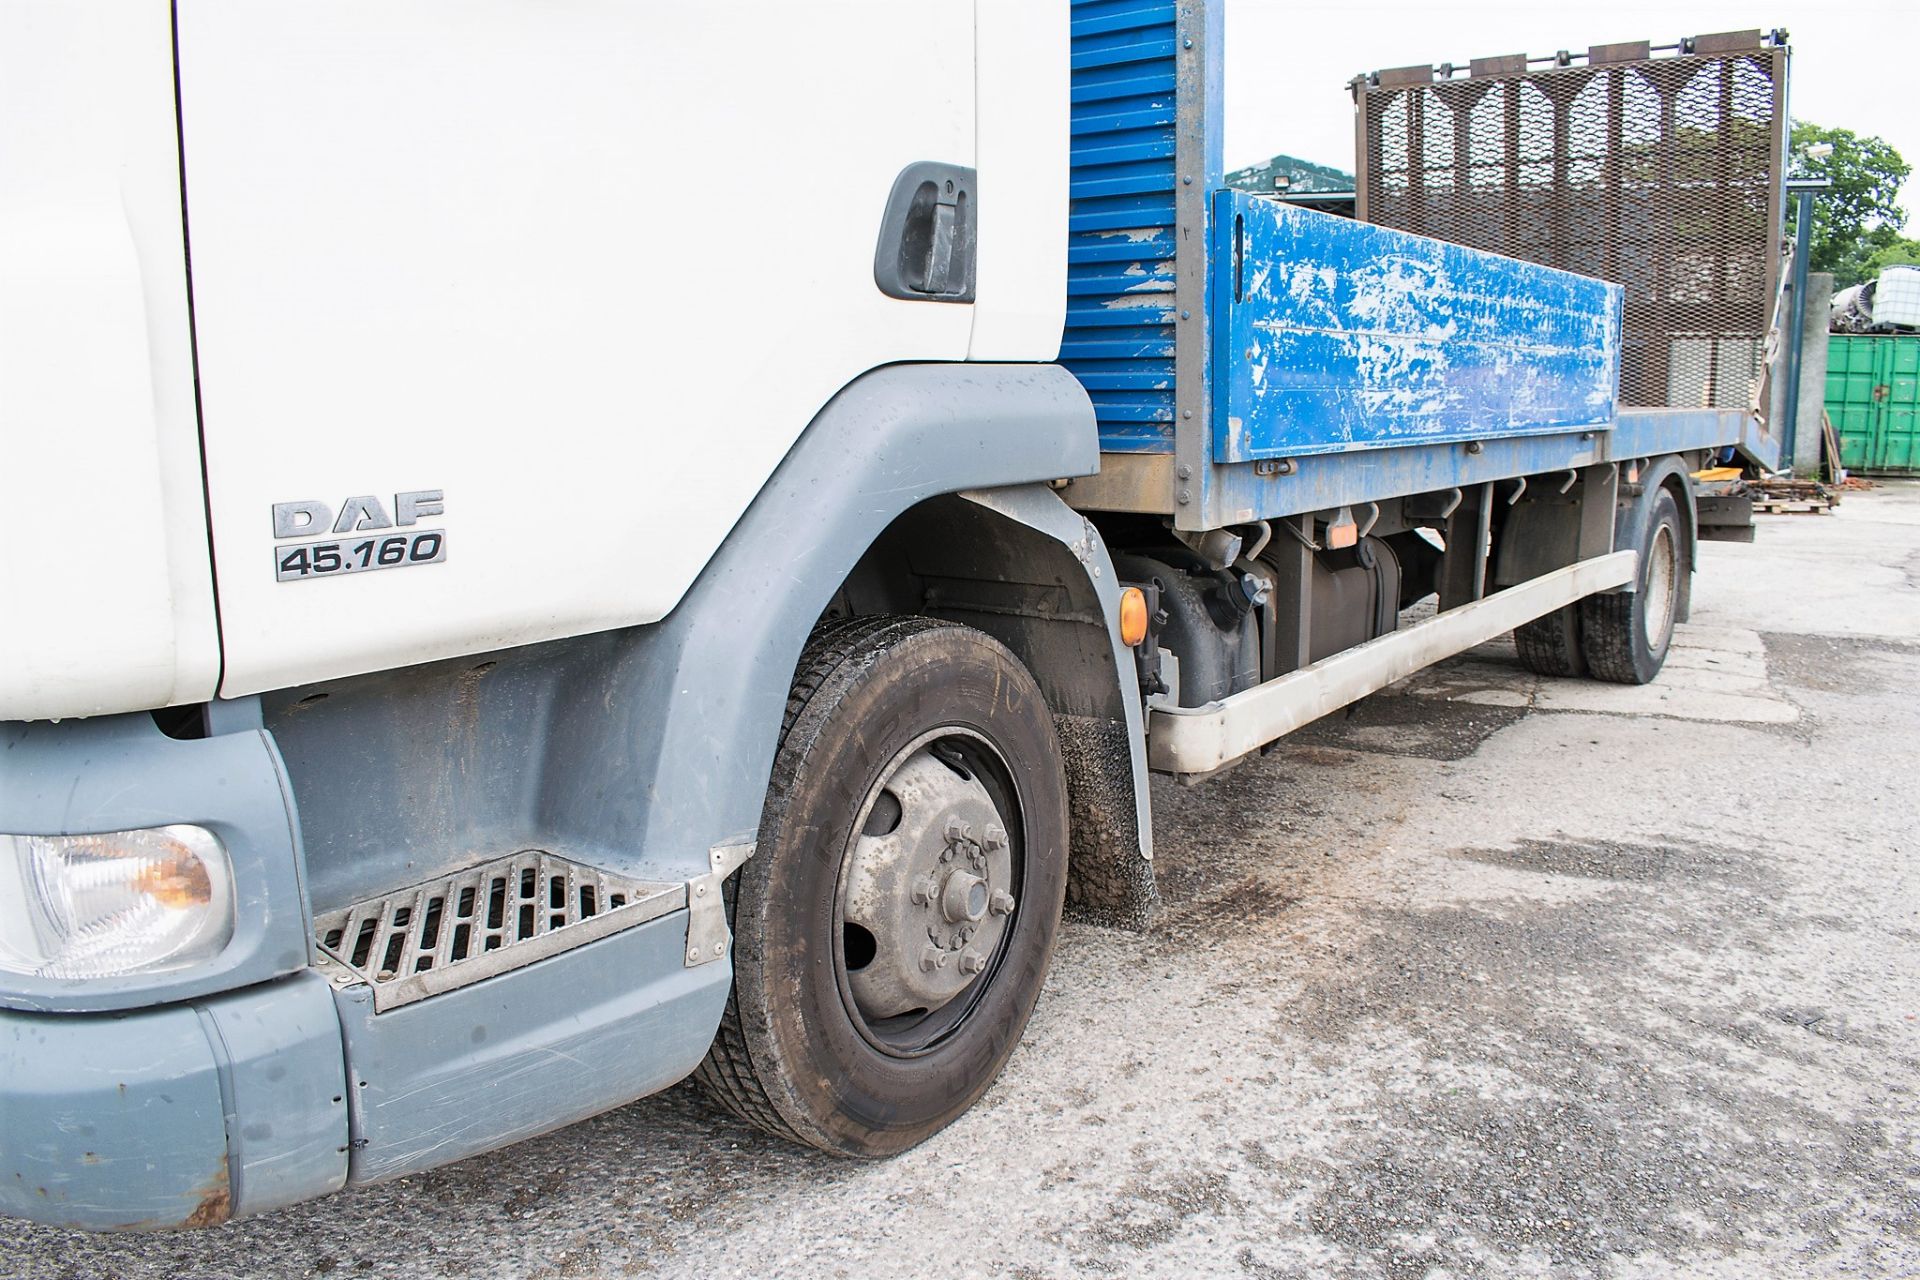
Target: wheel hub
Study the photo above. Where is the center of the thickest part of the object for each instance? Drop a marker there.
(929, 880)
(963, 900)
(1663, 578)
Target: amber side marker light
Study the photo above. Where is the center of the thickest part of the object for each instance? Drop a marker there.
(1133, 616)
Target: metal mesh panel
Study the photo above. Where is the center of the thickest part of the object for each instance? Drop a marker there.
(1656, 173)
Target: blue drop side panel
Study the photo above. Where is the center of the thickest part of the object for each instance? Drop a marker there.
(1333, 335)
(1120, 252)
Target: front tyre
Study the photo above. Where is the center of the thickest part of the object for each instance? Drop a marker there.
(892, 930)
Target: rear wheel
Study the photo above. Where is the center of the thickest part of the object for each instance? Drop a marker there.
(1550, 646)
(1625, 636)
(895, 922)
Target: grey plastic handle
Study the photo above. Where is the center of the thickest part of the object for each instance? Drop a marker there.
(929, 234)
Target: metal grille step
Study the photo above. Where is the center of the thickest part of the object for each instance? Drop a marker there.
(485, 920)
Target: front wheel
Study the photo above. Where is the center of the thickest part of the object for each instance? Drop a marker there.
(892, 930)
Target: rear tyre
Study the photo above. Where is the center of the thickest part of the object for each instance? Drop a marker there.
(1625, 637)
(894, 925)
(1550, 646)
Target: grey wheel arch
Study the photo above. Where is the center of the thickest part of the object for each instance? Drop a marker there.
(702, 695)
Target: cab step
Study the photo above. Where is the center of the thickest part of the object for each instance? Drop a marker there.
(462, 928)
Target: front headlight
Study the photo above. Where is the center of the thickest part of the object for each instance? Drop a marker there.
(121, 902)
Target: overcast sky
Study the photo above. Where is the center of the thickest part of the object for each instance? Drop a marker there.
(1288, 61)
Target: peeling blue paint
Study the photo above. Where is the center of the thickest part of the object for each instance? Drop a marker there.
(1333, 335)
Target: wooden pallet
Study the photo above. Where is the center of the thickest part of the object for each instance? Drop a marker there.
(1779, 495)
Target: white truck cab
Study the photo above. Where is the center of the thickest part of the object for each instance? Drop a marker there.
(587, 278)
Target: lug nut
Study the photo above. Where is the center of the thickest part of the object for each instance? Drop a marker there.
(958, 830)
(972, 962)
(932, 958)
(995, 839)
(1001, 902)
(920, 897)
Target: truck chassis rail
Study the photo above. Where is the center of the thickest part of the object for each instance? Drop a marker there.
(1204, 739)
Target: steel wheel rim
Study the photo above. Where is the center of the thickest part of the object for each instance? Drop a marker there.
(873, 978)
(1662, 579)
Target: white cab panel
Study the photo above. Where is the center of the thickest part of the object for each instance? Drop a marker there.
(1021, 304)
(106, 598)
(586, 268)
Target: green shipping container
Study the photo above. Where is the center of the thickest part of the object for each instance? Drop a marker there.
(1873, 400)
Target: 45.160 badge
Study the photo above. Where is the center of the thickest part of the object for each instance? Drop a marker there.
(365, 546)
(324, 559)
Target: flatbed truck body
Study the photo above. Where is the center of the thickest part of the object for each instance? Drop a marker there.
(499, 626)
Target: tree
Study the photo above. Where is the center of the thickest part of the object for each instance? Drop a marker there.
(1901, 253)
(1301, 176)
(1860, 217)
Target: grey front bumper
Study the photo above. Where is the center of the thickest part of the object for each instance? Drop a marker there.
(179, 1116)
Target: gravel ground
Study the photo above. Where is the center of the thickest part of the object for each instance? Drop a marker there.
(1492, 976)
